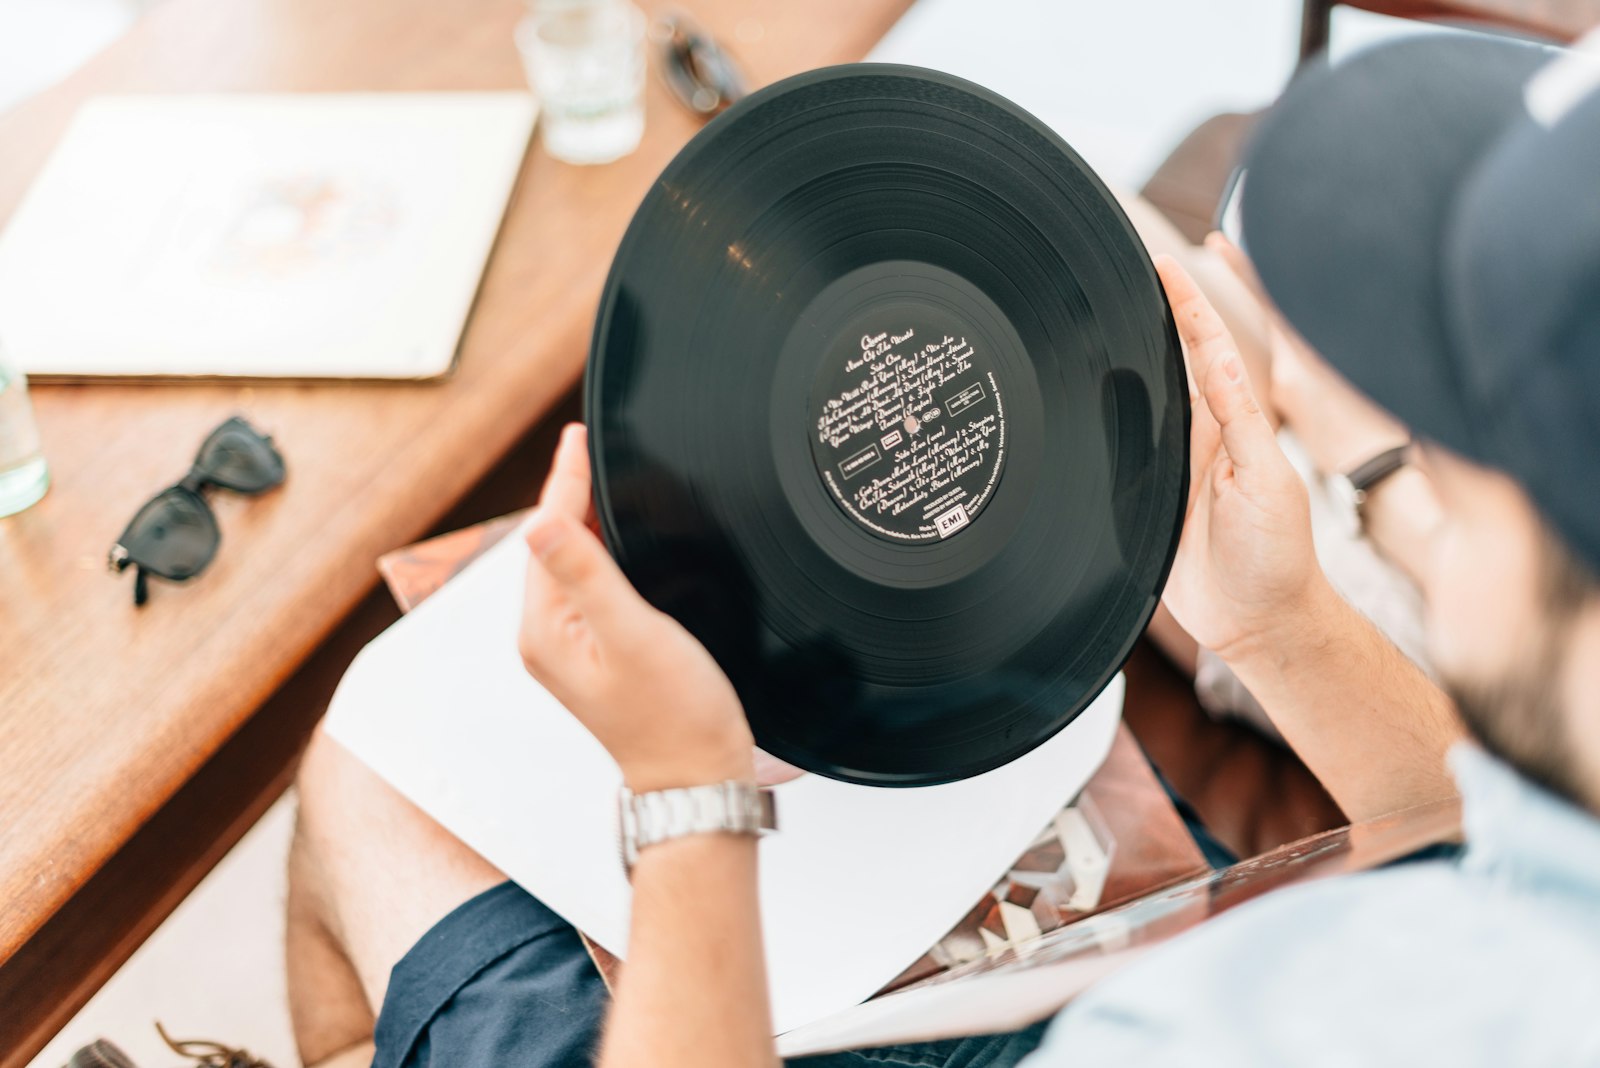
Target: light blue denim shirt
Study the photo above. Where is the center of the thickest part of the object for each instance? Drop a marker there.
(1490, 959)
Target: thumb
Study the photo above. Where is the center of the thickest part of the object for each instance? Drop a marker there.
(580, 569)
(1247, 437)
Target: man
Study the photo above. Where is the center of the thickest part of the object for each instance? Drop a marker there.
(1427, 216)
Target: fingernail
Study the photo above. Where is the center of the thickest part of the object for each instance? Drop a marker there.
(544, 534)
(1232, 368)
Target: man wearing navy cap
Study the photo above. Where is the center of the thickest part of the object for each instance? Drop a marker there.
(1427, 216)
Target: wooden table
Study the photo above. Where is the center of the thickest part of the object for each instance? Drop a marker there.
(107, 712)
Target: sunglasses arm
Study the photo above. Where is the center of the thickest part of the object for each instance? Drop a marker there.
(119, 560)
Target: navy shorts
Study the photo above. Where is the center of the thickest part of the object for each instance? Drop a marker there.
(503, 980)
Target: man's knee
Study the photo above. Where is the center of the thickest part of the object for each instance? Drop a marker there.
(326, 770)
(351, 823)
(377, 870)
(354, 824)
(320, 780)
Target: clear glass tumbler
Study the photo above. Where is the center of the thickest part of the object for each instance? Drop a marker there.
(24, 476)
(586, 62)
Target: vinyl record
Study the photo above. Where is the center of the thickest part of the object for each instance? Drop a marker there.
(887, 407)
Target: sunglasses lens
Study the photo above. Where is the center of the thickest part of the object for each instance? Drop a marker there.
(174, 536)
(238, 457)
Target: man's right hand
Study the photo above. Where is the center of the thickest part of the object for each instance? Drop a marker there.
(1245, 568)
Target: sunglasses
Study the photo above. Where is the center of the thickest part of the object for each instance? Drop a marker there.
(175, 535)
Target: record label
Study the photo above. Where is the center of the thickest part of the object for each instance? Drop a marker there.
(908, 425)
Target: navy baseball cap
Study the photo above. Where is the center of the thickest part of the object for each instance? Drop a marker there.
(1427, 215)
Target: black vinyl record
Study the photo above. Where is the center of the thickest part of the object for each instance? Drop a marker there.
(887, 407)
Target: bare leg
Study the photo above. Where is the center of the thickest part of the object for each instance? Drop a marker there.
(326, 1002)
(359, 1056)
(369, 874)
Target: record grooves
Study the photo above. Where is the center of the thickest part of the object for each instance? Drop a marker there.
(887, 407)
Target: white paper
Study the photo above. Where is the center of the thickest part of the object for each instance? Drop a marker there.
(858, 884)
(294, 234)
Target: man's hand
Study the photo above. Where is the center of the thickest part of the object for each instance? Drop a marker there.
(1245, 567)
(695, 988)
(1246, 584)
(637, 680)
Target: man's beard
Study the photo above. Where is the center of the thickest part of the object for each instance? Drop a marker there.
(1519, 719)
(1521, 716)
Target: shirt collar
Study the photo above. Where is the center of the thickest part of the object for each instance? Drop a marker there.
(1518, 830)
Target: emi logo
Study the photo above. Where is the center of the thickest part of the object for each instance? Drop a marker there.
(953, 520)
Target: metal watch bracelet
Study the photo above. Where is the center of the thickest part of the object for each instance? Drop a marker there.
(659, 816)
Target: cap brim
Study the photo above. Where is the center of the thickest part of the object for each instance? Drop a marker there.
(1351, 179)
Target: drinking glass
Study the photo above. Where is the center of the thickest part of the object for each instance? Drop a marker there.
(24, 476)
(586, 61)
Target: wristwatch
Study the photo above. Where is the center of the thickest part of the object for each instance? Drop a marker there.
(661, 815)
(1353, 488)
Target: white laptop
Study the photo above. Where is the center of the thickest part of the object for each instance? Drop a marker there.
(297, 235)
